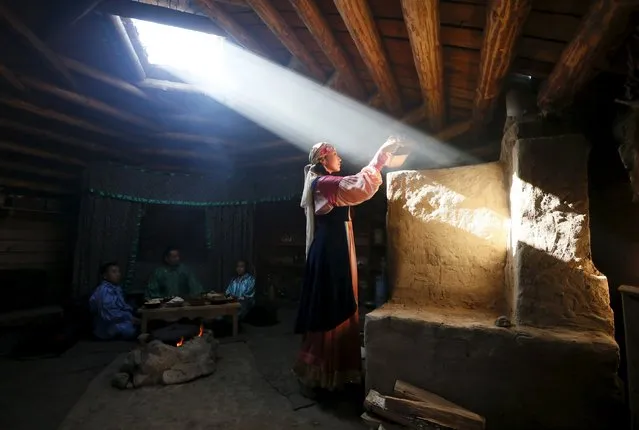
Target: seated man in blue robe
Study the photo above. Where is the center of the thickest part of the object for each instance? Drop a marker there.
(242, 288)
(112, 316)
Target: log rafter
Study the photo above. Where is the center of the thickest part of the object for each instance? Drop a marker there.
(286, 35)
(359, 21)
(89, 103)
(227, 23)
(505, 21)
(43, 50)
(64, 118)
(579, 57)
(312, 17)
(22, 149)
(422, 23)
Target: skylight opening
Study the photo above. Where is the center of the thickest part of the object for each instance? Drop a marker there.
(179, 49)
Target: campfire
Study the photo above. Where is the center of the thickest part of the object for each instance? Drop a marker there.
(155, 362)
(200, 333)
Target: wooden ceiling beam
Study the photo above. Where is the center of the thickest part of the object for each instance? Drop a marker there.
(63, 118)
(179, 153)
(359, 21)
(422, 22)
(169, 86)
(285, 34)
(35, 186)
(194, 138)
(185, 5)
(505, 21)
(95, 74)
(38, 45)
(312, 17)
(89, 103)
(226, 22)
(65, 17)
(127, 39)
(67, 140)
(597, 29)
(38, 153)
(15, 166)
(11, 78)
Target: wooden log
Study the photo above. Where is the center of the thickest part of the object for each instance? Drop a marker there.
(414, 116)
(127, 34)
(25, 150)
(169, 86)
(186, 5)
(169, 15)
(446, 417)
(178, 153)
(422, 23)
(572, 71)
(35, 186)
(195, 138)
(38, 45)
(376, 403)
(11, 78)
(454, 130)
(374, 422)
(90, 72)
(89, 103)
(312, 17)
(505, 20)
(67, 140)
(15, 166)
(285, 34)
(359, 21)
(60, 117)
(65, 17)
(430, 406)
(226, 22)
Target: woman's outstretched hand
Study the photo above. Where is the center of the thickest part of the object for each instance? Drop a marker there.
(392, 144)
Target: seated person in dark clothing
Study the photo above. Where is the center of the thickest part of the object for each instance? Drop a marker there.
(172, 279)
(112, 316)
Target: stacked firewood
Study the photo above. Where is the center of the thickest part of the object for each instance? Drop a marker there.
(415, 408)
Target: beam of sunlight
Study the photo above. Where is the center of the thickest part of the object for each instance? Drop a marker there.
(280, 100)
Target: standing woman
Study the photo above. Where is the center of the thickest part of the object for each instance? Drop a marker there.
(330, 355)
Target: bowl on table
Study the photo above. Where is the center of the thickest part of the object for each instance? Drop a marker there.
(152, 304)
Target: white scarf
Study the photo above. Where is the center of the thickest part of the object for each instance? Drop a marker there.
(315, 156)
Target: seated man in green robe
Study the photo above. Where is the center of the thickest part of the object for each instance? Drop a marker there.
(172, 279)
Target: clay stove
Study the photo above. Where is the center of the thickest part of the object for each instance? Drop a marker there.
(155, 362)
(496, 304)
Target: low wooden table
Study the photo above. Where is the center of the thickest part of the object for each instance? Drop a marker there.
(172, 314)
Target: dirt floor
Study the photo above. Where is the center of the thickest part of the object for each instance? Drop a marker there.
(252, 388)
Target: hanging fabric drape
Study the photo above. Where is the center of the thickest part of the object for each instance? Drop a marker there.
(107, 231)
(232, 237)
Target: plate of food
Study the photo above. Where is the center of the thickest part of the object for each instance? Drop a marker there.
(153, 303)
(175, 302)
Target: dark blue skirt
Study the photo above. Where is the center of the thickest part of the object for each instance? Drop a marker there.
(327, 298)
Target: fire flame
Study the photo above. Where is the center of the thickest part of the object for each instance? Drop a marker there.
(201, 330)
(181, 342)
